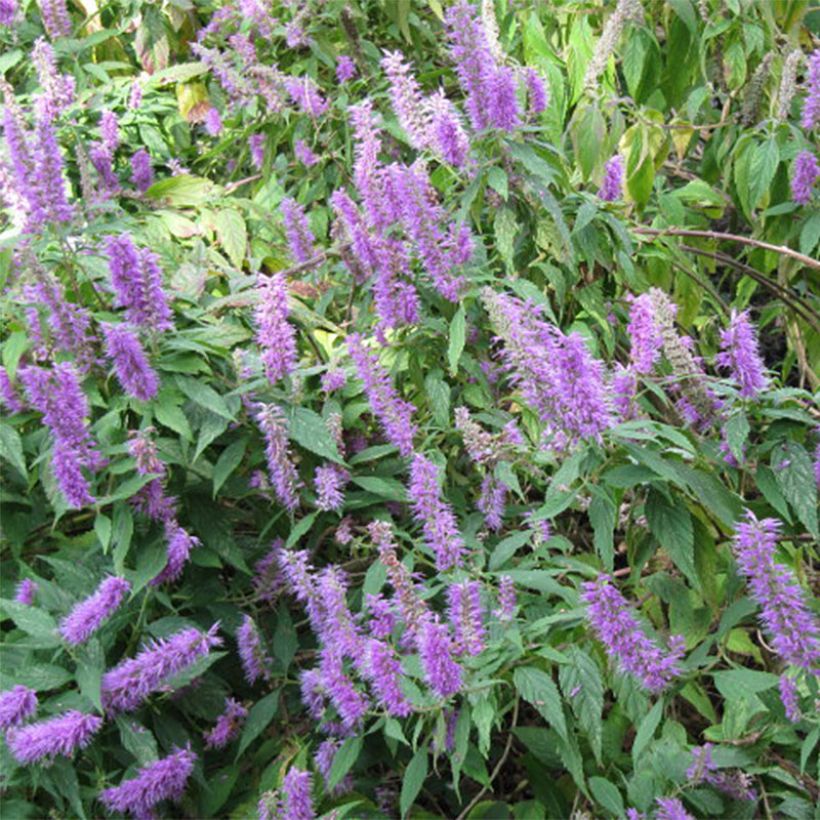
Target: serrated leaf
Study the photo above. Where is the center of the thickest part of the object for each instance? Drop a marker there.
(497, 179)
(602, 516)
(507, 547)
(170, 414)
(205, 396)
(259, 718)
(458, 335)
(737, 431)
(229, 459)
(671, 523)
(414, 777)
(310, 431)
(794, 473)
(38, 676)
(384, 487)
(438, 393)
(607, 795)
(584, 690)
(11, 448)
(32, 620)
(343, 761)
(646, 730)
(232, 234)
(539, 690)
(90, 666)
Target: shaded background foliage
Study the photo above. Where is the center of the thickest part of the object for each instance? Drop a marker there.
(703, 104)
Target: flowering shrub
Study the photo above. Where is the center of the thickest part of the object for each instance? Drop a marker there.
(408, 409)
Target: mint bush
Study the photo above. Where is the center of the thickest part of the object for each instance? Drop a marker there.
(409, 409)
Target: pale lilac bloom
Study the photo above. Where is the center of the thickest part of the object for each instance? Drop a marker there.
(740, 354)
(26, 590)
(16, 706)
(435, 647)
(407, 99)
(670, 808)
(252, 653)
(142, 174)
(435, 514)
(8, 393)
(89, 615)
(785, 613)
(128, 684)
(789, 697)
(625, 642)
(300, 237)
(394, 414)
(507, 604)
(134, 373)
(446, 133)
(180, 544)
(811, 105)
(8, 8)
(283, 474)
(275, 336)
(345, 68)
(256, 144)
(213, 122)
(704, 769)
(645, 337)
(305, 93)
(382, 669)
(55, 17)
(333, 379)
(537, 93)
(135, 95)
(228, 725)
(297, 803)
(61, 735)
(492, 502)
(612, 186)
(304, 154)
(330, 480)
(805, 174)
(465, 613)
(163, 779)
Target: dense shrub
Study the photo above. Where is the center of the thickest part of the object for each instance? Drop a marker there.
(408, 409)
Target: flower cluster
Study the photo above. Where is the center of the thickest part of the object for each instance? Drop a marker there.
(57, 736)
(228, 725)
(89, 615)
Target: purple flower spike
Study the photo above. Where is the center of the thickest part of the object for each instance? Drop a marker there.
(275, 336)
(252, 654)
(297, 803)
(442, 673)
(26, 590)
(300, 238)
(55, 18)
(625, 642)
(811, 105)
(383, 669)
(612, 186)
(537, 94)
(134, 373)
(142, 174)
(670, 808)
(282, 471)
(180, 544)
(645, 337)
(61, 735)
(784, 611)
(16, 706)
(227, 726)
(407, 99)
(740, 354)
(466, 616)
(304, 154)
(160, 780)
(492, 502)
(806, 172)
(330, 480)
(435, 515)
(305, 94)
(506, 599)
(89, 615)
(394, 414)
(345, 68)
(128, 684)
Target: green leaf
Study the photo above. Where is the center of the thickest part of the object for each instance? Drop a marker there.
(343, 761)
(712, 494)
(11, 448)
(497, 178)
(458, 335)
(646, 731)
(505, 229)
(34, 621)
(102, 527)
(308, 429)
(138, 740)
(737, 431)
(762, 167)
(232, 234)
(302, 526)
(90, 666)
(602, 516)
(794, 472)
(584, 690)
(607, 795)
(259, 718)
(671, 523)
(182, 190)
(414, 777)
(121, 534)
(539, 690)
(507, 547)
(388, 488)
(169, 413)
(734, 684)
(38, 676)
(229, 459)
(438, 393)
(205, 396)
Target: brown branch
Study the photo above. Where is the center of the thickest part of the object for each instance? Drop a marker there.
(732, 237)
(498, 766)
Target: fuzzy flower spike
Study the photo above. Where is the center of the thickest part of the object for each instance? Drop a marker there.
(89, 615)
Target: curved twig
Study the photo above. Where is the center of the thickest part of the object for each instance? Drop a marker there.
(732, 237)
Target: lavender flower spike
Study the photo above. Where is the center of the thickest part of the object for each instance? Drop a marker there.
(740, 354)
(297, 803)
(625, 642)
(806, 173)
(506, 599)
(442, 673)
(128, 684)
(142, 174)
(25, 592)
(299, 236)
(60, 735)
(227, 725)
(434, 514)
(611, 187)
(163, 779)
(345, 68)
(784, 611)
(811, 105)
(670, 808)
(134, 373)
(465, 614)
(16, 706)
(394, 414)
(407, 99)
(252, 653)
(180, 544)
(282, 470)
(383, 669)
(89, 615)
(645, 338)
(275, 336)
